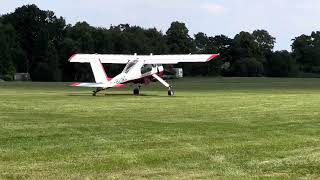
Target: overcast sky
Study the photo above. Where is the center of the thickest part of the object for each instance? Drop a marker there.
(284, 19)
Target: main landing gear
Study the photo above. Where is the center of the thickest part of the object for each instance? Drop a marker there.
(94, 93)
(136, 91)
(170, 91)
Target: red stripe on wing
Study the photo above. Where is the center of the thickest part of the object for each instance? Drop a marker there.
(74, 84)
(213, 56)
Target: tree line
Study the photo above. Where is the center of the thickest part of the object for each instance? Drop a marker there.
(38, 42)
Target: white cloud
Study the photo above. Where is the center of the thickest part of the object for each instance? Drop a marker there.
(213, 8)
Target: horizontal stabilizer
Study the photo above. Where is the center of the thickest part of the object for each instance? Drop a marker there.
(97, 85)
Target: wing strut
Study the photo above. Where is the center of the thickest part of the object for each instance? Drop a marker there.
(161, 80)
(170, 91)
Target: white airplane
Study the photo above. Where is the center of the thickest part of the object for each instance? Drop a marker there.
(139, 69)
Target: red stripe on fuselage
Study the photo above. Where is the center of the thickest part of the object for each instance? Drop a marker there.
(119, 86)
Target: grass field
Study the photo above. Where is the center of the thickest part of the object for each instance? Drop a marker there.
(213, 127)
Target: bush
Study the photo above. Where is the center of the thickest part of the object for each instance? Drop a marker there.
(308, 75)
(247, 67)
(8, 77)
(281, 64)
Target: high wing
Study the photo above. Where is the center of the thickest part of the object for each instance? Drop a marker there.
(148, 59)
(104, 58)
(175, 59)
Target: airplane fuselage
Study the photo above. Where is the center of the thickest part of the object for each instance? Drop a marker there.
(137, 72)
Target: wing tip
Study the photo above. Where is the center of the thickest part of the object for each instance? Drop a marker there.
(213, 56)
(72, 57)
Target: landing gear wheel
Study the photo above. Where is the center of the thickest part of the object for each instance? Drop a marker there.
(94, 93)
(170, 92)
(136, 91)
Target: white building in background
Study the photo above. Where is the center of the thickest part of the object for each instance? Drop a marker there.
(179, 72)
(174, 73)
(22, 77)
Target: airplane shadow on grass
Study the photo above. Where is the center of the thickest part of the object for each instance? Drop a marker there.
(115, 95)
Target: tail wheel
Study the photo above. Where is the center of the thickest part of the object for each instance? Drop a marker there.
(94, 93)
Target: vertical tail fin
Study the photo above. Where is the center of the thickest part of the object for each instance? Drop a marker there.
(98, 71)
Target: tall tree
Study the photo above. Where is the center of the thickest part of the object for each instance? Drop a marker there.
(247, 59)
(156, 41)
(306, 50)
(201, 42)
(8, 49)
(245, 45)
(178, 39)
(35, 29)
(220, 44)
(265, 41)
(82, 32)
(281, 64)
(28, 21)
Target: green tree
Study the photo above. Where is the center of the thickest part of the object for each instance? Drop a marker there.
(178, 39)
(247, 67)
(265, 41)
(306, 50)
(28, 22)
(201, 42)
(156, 41)
(220, 44)
(246, 57)
(8, 48)
(281, 64)
(81, 33)
(35, 29)
(69, 48)
(245, 46)
(208, 45)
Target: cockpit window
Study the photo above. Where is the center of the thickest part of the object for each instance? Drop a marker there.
(146, 68)
(130, 65)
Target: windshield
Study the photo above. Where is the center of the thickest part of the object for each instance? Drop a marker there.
(130, 65)
(146, 68)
